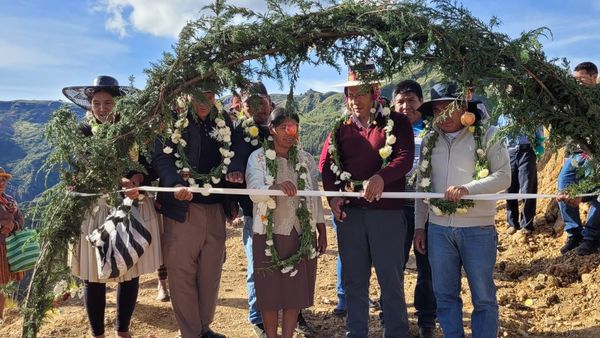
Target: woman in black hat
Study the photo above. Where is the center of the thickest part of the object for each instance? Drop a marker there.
(99, 102)
(11, 220)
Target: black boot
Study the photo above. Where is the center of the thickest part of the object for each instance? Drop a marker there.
(572, 243)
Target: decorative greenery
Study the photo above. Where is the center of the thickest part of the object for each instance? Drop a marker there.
(344, 178)
(306, 248)
(230, 46)
(441, 206)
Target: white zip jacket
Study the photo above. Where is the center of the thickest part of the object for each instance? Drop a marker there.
(453, 164)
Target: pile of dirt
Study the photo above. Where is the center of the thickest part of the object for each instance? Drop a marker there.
(541, 293)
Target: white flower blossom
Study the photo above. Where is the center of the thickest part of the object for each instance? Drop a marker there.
(391, 139)
(167, 150)
(206, 186)
(298, 166)
(425, 182)
(437, 211)
(337, 182)
(178, 124)
(220, 122)
(386, 111)
(333, 167)
(127, 202)
(345, 176)
(481, 153)
(247, 139)
(426, 200)
(270, 154)
(373, 110)
(183, 142)
(294, 273)
(461, 211)
(287, 269)
(484, 173)
(60, 288)
(254, 142)
(574, 163)
(227, 161)
(268, 252)
(331, 149)
(191, 181)
(269, 242)
(179, 164)
(303, 176)
(269, 180)
(271, 204)
(215, 180)
(226, 138)
(177, 155)
(185, 123)
(224, 170)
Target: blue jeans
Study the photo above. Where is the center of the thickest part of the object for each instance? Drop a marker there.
(373, 238)
(568, 176)
(473, 248)
(254, 316)
(340, 272)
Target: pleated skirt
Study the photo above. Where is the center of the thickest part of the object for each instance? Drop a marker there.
(82, 257)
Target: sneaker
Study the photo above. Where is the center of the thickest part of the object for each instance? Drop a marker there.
(526, 231)
(259, 330)
(426, 332)
(511, 230)
(572, 243)
(302, 327)
(587, 247)
(163, 291)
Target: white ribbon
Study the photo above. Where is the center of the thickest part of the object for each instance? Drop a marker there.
(318, 193)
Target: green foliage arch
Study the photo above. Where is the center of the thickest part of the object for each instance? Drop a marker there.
(230, 46)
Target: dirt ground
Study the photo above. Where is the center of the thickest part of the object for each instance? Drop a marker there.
(541, 293)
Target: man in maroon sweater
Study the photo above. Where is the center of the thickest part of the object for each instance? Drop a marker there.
(370, 230)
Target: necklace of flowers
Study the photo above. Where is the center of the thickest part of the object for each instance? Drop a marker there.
(384, 152)
(441, 206)
(306, 248)
(221, 133)
(251, 131)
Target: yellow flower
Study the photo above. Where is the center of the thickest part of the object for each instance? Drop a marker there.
(484, 173)
(471, 129)
(253, 131)
(385, 152)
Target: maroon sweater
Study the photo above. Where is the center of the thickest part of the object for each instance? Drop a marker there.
(359, 151)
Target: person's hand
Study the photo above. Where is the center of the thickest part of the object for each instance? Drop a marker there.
(131, 186)
(183, 194)
(420, 241)
(287, 187)
(235, 177)
(7, 228)
(373, 188)
(455, 193)
(336, 205)
(571, 201)
(322, 239)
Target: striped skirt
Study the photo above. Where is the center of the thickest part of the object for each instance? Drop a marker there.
(82, 257)
(5, 275)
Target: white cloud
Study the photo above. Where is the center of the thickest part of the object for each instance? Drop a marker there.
(158, 17)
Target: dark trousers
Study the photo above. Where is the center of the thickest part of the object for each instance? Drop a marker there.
(94, 298)
(373, 238)
(523, 180)
(424, 300)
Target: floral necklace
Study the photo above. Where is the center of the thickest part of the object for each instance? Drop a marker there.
(441, 206)
(251, 131)
(221, 133)
(384, 152)
(306, 248)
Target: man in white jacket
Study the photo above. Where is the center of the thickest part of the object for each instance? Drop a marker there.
(458, 159)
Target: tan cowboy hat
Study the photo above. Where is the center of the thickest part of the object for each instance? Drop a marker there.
(81, 95)
(356, 72)
(5, 174)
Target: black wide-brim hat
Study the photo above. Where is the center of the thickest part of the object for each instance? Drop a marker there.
(82, 95)
(448, 92)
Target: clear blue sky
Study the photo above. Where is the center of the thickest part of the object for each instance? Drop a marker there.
(47, 45)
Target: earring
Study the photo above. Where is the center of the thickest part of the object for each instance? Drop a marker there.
(467, 119)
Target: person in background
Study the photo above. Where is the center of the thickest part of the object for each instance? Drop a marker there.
(99, 101)
(277, 289)
(585, 239)
(11, 220)
(523, 154)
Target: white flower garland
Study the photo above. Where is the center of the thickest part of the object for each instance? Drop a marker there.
(221, 133)
(265, 209)
(344, 177)
(440, 206)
